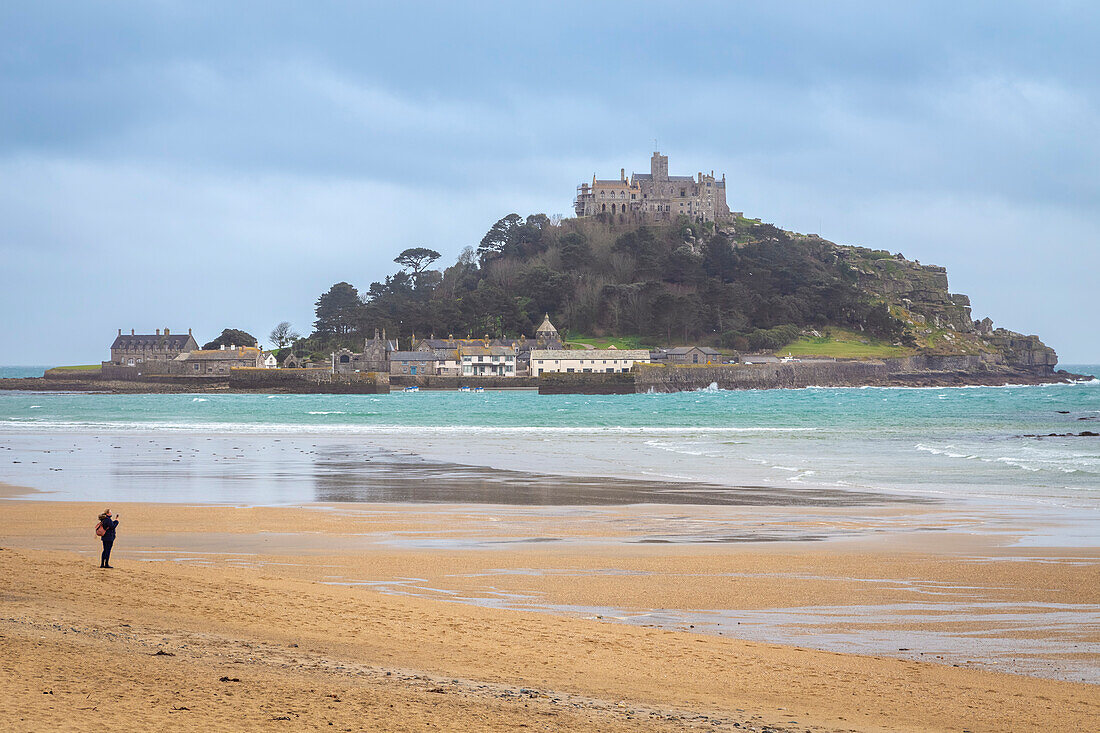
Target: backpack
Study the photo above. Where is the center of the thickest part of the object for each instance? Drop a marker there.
(100, 530)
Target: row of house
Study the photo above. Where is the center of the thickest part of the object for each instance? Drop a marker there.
(179, 354)
(176, 354)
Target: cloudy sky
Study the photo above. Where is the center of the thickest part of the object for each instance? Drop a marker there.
(211, 165)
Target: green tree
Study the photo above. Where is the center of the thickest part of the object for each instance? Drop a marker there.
(337, 310)
(231, 337)
(417, 259)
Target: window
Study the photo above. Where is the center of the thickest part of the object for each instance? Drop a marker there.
(682, 194)
(633, 196)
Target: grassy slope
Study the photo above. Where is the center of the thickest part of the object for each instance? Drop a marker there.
(76, 368)
(843, 344)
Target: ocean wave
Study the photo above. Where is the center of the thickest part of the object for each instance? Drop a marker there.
(326, 412)
(199, 399)
(351, 428)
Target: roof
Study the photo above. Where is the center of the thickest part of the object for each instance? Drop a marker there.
(488, 351)
(413, 356)
(546, 325)
(131, 342)
(616, 183)
(573, 354)
(679, 350)
(243, 352)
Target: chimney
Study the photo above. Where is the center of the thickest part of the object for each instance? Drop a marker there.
(158, 332)
(120, 332)
(131, 332)
(166, 333)
(189, 332)
(622, 174)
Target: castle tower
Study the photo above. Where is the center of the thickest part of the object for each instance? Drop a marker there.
(658, 167)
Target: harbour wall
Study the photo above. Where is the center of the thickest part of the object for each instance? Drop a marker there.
(308, 381)
(437, 382)
(922, 371)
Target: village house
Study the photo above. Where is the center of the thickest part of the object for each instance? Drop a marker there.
(488, 361)
(270, 361)
(413, 363)
(681, 355)
(216, 362)
(586, 361)
(141, 348)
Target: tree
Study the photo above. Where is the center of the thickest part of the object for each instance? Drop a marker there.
(232, 337)
(337, 310)
(499, 236)
(417, 259)
(283, 335)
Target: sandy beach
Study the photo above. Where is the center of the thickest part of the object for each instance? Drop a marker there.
(327, 620)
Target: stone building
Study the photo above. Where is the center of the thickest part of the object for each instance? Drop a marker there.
(654, 196)
(681, 355)
(413, 363)
(586, 360)
(216, 362)
(375, 356)
(137, 349)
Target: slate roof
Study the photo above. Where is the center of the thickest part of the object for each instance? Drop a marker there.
(138, 342)
(681, 350)
(244, 352)
(488, 351)
(589, 354)
(413, 356)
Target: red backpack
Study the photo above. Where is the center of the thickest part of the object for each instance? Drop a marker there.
(100, 530)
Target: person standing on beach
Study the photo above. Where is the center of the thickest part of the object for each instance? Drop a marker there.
(108, 537)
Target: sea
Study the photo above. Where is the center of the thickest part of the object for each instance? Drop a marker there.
(1015, 464)
(1012, 447)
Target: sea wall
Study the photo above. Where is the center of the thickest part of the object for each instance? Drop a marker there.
(308, 381)
(595, 383)
(922, 370)
(437, 382)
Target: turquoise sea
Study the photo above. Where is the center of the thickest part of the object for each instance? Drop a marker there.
(981, 444)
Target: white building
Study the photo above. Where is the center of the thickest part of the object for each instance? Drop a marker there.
(589, 360)
(270, 361)
(488, 361)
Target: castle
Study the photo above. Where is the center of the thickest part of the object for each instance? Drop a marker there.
(655, 196)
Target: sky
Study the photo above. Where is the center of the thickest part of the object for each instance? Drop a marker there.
(213, 165)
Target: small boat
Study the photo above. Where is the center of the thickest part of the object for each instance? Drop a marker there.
(463, 389)
(411, 389)
(479, 389)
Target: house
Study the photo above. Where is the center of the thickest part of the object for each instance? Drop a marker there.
(137, 349)
(216, 362)
(586, 360)
(488, 361)
(270, 361)
(412, 363)
(693, 355)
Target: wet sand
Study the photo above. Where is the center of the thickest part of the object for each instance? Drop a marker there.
(442, 599)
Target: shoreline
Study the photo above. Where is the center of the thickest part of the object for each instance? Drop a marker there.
(291, 600)
(575, 384)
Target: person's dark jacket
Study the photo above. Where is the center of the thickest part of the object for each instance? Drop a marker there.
(109, 525)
